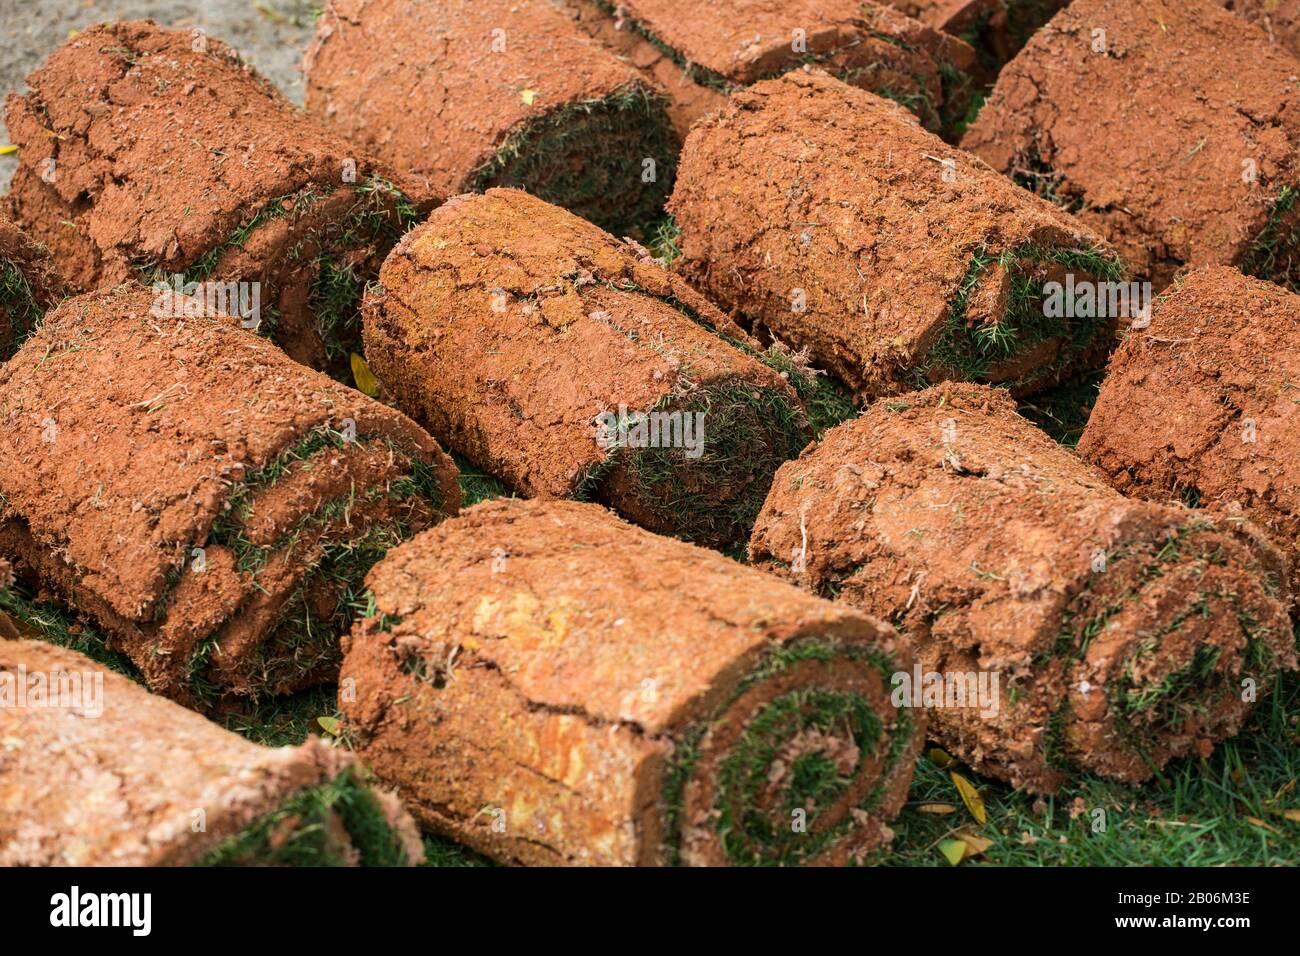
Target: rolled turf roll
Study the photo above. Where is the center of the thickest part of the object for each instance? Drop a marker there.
(996, 29)
(568, 363)
(1204, 404)
(212, 505)
(96, 771)
(467, 94)
(1122, 634)
(152, 153)
(550, 685)
(28, 286)
(1169, 127)
(829, 217)
(1280, 20)
(726, 45)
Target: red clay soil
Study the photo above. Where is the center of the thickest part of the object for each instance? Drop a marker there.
(508, 325)
(466, 94)
(828, 218)
(1280, 19)
(1178, 142)
(200, 496)
(144, 782)
(143, 157)
(1120, 631)
(1204, 404)
(523, 689)
(724, 46)
(28, 286)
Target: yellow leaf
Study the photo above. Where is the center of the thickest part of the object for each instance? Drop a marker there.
(329, 724)
(953, 850)
(940, 808)
(364, 378)
(971, 797)
(1257, 822)
(528, 96)
(939, 758)
(6, 150)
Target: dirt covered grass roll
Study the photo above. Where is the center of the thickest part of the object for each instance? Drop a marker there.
(1169, 126)
(156, 154)
(1203, 405)
(550, 685)
(469, 94)
(727, 45)
(1119, 634)
(99, 772)
(570, 364)
(210, 504)
(827, 217)
(28, 286)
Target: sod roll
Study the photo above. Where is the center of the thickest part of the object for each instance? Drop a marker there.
(28, 286)
(467, 94)
(156, 154)
(726, 45)
(827, 216)
(1120, 634)
(212, 505)
(1203, 405)
(1169, 126)
(99, 772)
(569, 363)
(550, 685)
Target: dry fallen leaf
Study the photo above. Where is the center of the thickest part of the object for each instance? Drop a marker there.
(1292, 815)
(954, 851)
(939, 758)
(329, 724)
(975, 844)
(1257, 822)
(971, 797)
(365, 379)
(940, 808)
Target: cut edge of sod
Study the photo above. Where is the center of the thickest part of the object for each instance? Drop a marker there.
(1279, 238)
(746, 835)
(381, 212)
(18, 303)
(966, 352)
(339, 822)
(632, 137)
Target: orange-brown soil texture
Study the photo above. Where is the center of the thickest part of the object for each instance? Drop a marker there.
(96, 771)
(701, 52)
(996, 29)
(1280, 20)
(828, 218)
(468, 94)
(1204, 404)
(550, 685)
(152, 153)
(209, 504)
(1121, 634)
(29, 286)
(569, 363)
(1170, 127)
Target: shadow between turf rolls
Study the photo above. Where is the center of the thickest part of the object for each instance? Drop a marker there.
(551, 685)
(210, 503)
(829, 217)
(1123, 633)
(152, 153)
(509, 326)
(469, 94)
(28, 286)
(144, 782)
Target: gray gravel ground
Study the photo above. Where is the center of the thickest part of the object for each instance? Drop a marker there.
(270, 34)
